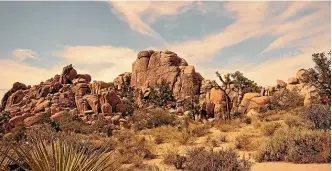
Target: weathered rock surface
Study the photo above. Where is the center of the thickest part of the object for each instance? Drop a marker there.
(62, 93)
(152, 67)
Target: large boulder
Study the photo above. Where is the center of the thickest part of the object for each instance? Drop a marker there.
(152, 67)
(42, 105)
(16, 86)
(33, 120)
(293, 80)
(217, 96)
(68, 74)
(122, 80)
(14, 121)
(106, 109)
(97, 87)
(281, 84)
(300, 74)
(259, 102)
(247, 97)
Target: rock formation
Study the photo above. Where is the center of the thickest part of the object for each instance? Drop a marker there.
(75, 92)
(66, 92)
(152, 67)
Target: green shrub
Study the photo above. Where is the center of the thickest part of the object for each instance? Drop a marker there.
(286, 99)
(153, 118)
(297, 145)
(320, 115)
(268, 129)
(200, 159)
(160, 94)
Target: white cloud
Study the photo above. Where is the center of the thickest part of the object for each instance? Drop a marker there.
(101, 62)
(12, 71)
(22, 54)
(254, 19)
(132, 13)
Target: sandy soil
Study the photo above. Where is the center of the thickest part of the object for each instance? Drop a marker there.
(281, 166)
(215, 133)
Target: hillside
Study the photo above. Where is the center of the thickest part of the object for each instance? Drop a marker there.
(149, 117)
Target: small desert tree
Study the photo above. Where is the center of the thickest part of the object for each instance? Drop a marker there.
(161, 94)
(238, 83)
(130, 100)
(320, 75)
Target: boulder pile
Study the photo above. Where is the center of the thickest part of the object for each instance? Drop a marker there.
(67, 92)
(75, 93)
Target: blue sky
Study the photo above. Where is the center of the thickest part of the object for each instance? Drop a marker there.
(264, 40)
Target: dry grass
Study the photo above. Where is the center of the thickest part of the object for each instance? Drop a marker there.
(243, 142)
(223, 138)
(268, 129)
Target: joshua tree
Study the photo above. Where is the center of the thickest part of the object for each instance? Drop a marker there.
(235, 82)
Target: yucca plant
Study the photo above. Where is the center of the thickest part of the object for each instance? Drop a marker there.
(63, 156)
(5, 161)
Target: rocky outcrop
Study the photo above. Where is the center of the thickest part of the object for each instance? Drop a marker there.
(152, 67)
(293, 80)
(281, 84)
(16, 86)
(122, 81)
(62, 93)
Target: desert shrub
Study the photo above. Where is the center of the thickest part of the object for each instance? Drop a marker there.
(70, 123)
(268, 129)
(18, 133)
(286, 99)
(295, 121)
(211, 141)
(246, 120)
(226, 128)
(185, 138)
(223, 138)
(155, 118)
(320, 115)
(200, 159)
(297, 145)
(199, 131)
(104, 126)
(192, 104)
(129, 101)
(166, 133)
(243, 141)
(158, 139)
(132, 148)
(169, 157)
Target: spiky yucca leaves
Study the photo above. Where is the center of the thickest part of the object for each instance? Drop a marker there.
(64, 156)
(4, 159)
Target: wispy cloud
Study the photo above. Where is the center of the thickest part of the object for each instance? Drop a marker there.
(132, 13)
(254, 19)
(22, 54)
(102, 62)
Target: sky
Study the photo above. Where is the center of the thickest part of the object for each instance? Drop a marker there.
(264, 40)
